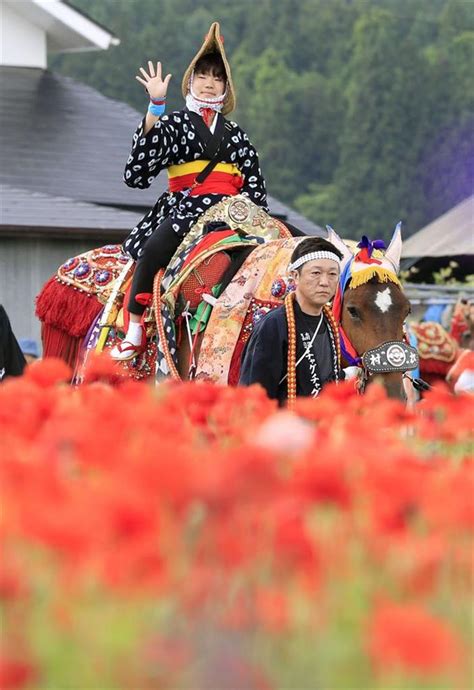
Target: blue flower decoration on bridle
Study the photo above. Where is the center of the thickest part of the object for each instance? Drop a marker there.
(366, 248)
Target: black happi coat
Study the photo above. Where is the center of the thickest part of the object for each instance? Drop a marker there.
(12, 359)
(264, 359)
(173, 140)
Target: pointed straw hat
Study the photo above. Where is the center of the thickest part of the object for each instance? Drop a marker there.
(213, 43)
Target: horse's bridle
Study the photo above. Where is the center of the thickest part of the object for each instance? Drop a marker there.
(389, 357)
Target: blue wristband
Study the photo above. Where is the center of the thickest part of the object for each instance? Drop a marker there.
(156, 110)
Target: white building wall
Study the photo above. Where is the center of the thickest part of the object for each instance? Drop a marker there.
(23, 44)
(25, 266)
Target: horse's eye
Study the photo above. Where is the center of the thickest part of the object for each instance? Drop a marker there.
(353, 312)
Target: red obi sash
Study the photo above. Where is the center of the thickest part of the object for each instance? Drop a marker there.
(224, 179)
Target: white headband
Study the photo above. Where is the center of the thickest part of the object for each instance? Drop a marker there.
(323, 254)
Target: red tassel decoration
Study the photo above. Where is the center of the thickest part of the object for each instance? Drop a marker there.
(57, 343)
(66, 308)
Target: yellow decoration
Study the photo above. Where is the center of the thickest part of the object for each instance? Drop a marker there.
(104, 332)
(198, 166)
(383, 275)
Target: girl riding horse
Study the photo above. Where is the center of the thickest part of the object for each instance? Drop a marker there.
(207, 158)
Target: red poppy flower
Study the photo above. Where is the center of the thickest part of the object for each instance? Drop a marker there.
(323, 477)
(100, 367)
(16, 673)
(271, 606)
(12, 579)
(48, 372)
(406, 636)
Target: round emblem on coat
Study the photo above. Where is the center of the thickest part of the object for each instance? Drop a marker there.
(396, 356)
(238, 211)
(82, 271)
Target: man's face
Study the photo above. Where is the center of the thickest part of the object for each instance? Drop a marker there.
(207, 85)
(317, 281)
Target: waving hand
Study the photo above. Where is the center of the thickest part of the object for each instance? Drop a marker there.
(153, 82)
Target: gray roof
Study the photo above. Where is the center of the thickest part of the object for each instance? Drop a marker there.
(452, 234)
(62, 138)
(30, 210)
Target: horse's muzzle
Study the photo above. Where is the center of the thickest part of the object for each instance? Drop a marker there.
(393, 355)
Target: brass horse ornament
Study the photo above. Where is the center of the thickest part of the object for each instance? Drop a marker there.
(239, 272)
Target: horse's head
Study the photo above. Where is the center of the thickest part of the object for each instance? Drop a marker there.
(371, 308)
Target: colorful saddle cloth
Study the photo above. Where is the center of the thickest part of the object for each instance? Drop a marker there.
(95, 272)
(72, 298)
(248, 225)
(259, 286)
(437, 349)
(175, 280)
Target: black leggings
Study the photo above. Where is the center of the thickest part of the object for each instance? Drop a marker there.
(157, 254)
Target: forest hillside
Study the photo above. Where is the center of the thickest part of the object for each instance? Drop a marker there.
(362, 110)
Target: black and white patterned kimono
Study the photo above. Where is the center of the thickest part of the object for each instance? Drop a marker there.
(12, 359)
(173, 140)
(265, 358)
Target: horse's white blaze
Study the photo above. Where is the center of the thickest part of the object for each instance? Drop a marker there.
(384, 300)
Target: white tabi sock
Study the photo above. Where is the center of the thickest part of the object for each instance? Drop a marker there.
(134, 333)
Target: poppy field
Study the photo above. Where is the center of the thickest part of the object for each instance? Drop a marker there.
(192, 536)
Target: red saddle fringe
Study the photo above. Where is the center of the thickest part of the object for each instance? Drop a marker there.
(58, 343)
(66, 315)
(66, 309)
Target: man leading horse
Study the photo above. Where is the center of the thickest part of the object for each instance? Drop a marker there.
(294, 350)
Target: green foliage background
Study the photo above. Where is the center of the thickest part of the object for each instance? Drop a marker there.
(362, 110)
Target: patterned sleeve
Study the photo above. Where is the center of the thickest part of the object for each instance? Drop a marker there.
(150, 152)
(254, 183)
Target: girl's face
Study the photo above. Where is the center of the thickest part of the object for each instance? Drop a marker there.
(207, 85)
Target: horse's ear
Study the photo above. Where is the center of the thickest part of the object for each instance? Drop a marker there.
(339, 243)
(394, 250)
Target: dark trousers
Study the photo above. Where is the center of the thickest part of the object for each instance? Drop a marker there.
(157, 254)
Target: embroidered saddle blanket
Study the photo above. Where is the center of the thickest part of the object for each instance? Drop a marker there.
(85, 298)
(434, 342)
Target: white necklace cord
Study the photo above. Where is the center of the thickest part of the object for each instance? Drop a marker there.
(307, 348)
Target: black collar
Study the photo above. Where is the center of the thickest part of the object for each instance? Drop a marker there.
(210, 141)
(308, 318)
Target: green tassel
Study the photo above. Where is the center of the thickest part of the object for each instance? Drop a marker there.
(203, 312)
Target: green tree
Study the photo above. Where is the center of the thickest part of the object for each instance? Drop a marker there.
(292, 121)
(380, 141)
(362, 110)
(446, 166)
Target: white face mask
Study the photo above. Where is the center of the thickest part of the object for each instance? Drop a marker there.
(197, 105)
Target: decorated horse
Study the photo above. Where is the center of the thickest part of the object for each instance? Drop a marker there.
(438, 350)
(229, 271)
(442, 358)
